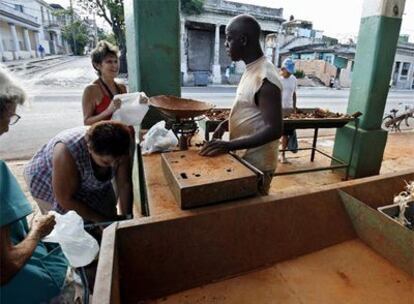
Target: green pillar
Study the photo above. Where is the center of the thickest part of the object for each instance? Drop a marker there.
(377, 42)
(153, 49)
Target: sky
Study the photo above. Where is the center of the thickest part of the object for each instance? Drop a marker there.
(336, 18)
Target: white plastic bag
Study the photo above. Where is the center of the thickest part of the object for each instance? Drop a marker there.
(159, 139)
(133, 108)
(79, 247)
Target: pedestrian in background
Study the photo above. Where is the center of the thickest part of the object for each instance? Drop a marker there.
(41, 50)
(289, 83)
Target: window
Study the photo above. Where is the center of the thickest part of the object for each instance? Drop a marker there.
(18, 7)
(404, 71)
(397, 67)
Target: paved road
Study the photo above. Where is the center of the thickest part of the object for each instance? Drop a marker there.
(55, 104)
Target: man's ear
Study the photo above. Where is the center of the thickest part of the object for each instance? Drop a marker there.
(243, 40)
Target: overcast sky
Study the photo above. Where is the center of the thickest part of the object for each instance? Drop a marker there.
(337, 18)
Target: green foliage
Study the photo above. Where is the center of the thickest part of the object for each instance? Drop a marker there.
(192, 7)
(76, 34)
(112, 11)
(299, 74)
(110, 37)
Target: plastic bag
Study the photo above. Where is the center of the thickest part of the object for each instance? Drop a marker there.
(133, 108)
(79, 247)
(159, 139)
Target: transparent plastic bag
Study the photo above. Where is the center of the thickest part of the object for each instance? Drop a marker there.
(79, 247)
(159, 139)
(133, 108)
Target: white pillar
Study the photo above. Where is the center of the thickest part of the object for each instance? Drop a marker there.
(183, 51)
(37, 42)
(15, 41)
(1, 48)
(216, 65)
(27, 41)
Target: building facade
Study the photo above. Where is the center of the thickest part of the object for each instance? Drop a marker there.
(27, 24)
(203, 36)
(403, 69)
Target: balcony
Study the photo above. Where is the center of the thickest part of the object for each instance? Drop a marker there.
(54, 26)
(10, 14)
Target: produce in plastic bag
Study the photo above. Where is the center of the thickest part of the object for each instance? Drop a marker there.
(133, 108)
(159, 139)
(79, 247)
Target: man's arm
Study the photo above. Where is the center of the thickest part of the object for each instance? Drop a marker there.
(66, 180)
(269, 102)
(124, 184)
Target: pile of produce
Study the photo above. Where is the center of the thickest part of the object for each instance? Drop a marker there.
(316, 113)
(405, 200)
(218, 114)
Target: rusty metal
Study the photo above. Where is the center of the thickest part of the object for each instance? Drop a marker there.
(178, 108)
(197, 181)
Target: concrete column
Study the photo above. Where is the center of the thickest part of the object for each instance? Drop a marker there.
(37, 42)
(153, 43)
(15, 41)
(216, 65)
(27, 41)
(183, 51)
(1, 48)
(377, 42)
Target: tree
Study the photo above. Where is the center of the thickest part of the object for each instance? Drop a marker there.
(110, 37)
(192, 7)
(76, 34)
(112, 11)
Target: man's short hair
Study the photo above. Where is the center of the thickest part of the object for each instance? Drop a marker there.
(109, 138)
(10, 93)
(103, 49)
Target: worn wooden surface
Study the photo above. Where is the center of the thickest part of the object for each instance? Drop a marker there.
(174, 252)
(197, 181)
(171, 252)
(347, 273)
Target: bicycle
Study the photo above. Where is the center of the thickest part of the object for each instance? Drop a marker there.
(394, 122)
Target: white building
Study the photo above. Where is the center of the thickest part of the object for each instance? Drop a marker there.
(26, 24)
(403, 69)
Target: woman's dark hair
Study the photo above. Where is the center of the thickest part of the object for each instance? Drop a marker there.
(109, 138)
(103, 49)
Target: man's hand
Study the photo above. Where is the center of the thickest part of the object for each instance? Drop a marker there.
(215, 147)
(221, 128)
(42, 225)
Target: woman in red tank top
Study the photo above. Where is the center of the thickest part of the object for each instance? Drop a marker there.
(97, 101)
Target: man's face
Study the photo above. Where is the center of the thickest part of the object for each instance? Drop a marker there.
(6, 117)
(234, 44)
(284, 73)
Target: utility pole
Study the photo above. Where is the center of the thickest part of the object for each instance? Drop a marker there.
(72, 29)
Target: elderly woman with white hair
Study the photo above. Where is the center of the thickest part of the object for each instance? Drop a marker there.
(30, 270)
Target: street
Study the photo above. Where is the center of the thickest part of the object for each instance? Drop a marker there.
(55, 104)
